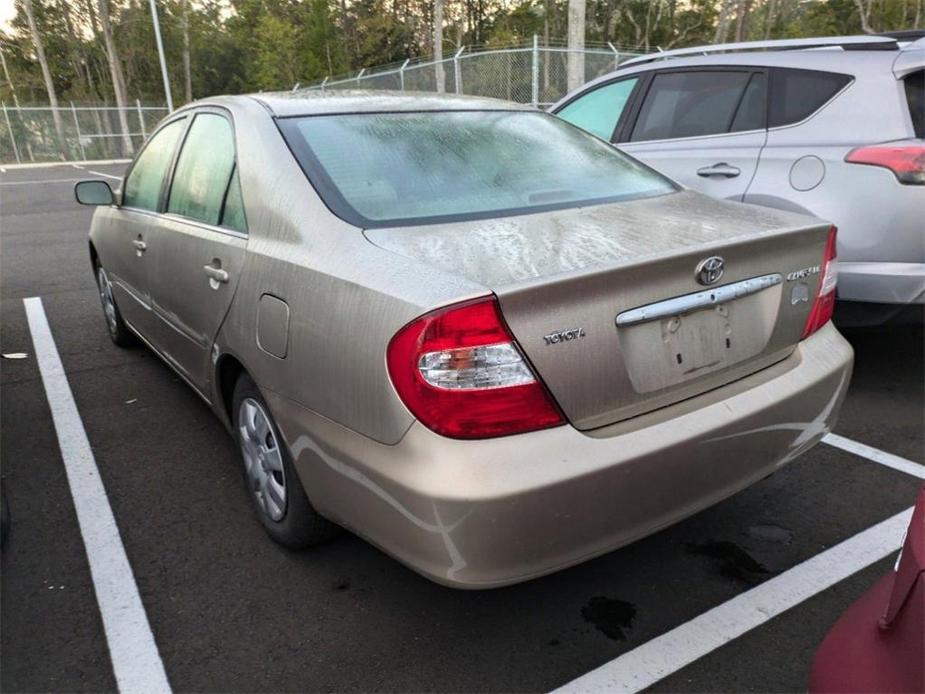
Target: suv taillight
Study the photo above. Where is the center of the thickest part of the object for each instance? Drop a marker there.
(821, 312)
(905, 159)
(462, 375)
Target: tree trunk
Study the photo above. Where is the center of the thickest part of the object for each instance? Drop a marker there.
(115, 70)
(576, 44)
(745, 8)
(187, 75)
(864, 12)
(438, 46)
(722, 21)
(46, 75)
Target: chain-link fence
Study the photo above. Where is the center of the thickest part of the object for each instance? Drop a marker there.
(526, 74)
(74, 133)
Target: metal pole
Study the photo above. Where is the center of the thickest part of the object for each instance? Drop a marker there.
(12, 137)
(141, 120)
(326, 78)
(457, 74)
(80, 144)
(535, 92)
(616, 55)
(160, 53)
(359, 75)
(401, 73)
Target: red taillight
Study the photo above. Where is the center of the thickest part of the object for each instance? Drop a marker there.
(821, 312)
(905, 159)
(461, 374)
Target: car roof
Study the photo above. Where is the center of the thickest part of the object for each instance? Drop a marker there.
(330, 101)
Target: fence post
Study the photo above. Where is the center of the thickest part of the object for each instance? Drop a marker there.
(401, 73)
(141, 121)
(12, 136)
(80, 144)
(457, 74)
(535, 78)
(359, 75)
(616, 55)
(325, 81)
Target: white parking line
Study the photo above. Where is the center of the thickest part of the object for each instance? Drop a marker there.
(135, 659)
(38, 183)
(876, 455)
(100, 173)
(652, 661)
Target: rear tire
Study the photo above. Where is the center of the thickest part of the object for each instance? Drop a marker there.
(270, 478)
(118, 330)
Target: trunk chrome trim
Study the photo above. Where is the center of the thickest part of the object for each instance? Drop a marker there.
(692, 302)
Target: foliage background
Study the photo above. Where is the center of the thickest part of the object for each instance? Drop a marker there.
(251, 45)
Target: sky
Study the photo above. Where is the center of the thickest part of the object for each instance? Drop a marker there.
(7, 12)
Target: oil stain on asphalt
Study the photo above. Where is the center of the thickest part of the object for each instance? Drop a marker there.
(613, 617)
(731, 560)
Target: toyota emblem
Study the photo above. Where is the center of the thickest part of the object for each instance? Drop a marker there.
(710, 270)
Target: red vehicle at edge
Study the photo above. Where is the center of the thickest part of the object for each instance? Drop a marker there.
(878, 644)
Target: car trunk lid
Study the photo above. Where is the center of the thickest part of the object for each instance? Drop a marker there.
(605, 303)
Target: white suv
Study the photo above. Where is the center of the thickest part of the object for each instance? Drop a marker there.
(830, 127)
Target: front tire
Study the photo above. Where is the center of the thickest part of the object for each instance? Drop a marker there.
(118, 331)
(272, 483)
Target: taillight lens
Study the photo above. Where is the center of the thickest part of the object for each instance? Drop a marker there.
(824, 305)
(462, 375)
(905, 159)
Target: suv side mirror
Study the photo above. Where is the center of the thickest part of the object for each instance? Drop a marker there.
(93, 193)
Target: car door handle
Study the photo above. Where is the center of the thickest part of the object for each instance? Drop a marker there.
(721, 169)
(215, 273)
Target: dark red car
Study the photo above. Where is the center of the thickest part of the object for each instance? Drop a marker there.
(878, 645)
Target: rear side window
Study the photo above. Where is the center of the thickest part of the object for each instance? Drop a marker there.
(203, 170)
(233, 214)
(690, 104)
(753, 108)
(599, 110)
(914, 85)
(797, 94)
(145, 180)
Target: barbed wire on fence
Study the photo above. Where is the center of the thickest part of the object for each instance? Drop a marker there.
(527, 73)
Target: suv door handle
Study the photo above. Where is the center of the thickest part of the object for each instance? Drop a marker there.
(215, 274)
(720, 169)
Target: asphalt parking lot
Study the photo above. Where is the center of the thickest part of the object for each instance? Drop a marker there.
(231, 611)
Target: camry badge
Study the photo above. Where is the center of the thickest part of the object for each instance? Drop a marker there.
(710, 270)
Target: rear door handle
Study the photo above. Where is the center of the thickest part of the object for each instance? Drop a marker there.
(722, 169)
(215, 274)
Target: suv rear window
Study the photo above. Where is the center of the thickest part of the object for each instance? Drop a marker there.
(390, 169)
(797, 94)
(915, 98)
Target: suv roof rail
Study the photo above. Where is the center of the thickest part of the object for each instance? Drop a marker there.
(844, 42)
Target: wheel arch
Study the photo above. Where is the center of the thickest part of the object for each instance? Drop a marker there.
(228, 369)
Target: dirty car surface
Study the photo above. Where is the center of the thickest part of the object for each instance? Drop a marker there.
(480, 338)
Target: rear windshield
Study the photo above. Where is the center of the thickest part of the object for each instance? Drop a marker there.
(391, 169)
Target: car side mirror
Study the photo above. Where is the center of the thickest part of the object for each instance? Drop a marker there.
(93, 193)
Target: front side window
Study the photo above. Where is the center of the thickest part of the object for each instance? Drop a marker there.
(381, 169)
(203, 170)
(599, 110)
(690, 104)
(146, 179)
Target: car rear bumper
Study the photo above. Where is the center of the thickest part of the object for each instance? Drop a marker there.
(478, 514)
(883, 283)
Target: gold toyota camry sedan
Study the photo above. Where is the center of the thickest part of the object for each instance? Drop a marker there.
(482, 339)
